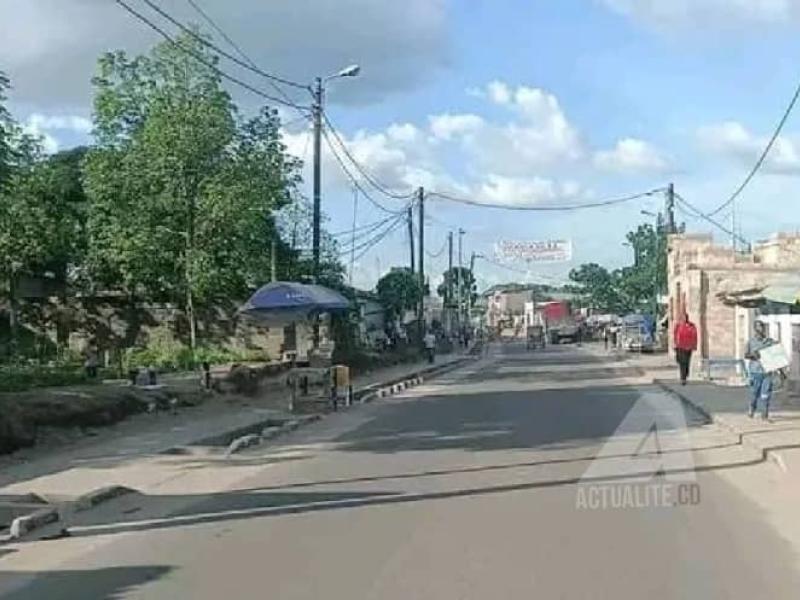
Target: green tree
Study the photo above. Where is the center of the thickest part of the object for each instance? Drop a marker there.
(450, 285)
(631, 288)
(182, 187)
(647, 278)
(295, 226)
(398, 291)
(599, 287)
(5, 132)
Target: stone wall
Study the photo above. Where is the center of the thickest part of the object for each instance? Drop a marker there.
(117, 324)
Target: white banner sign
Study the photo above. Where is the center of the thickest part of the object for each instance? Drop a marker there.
(548, 251)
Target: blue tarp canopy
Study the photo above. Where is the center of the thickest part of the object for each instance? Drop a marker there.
(287, 301)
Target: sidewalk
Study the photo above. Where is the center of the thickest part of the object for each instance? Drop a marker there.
(727, 407)
(124, 454)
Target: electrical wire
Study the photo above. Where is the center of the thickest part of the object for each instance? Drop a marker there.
(518, 270)
(365, 234)
(355, 181)
(364, 247)
(369, 178)
(763, 156)
(201, 59)
(303, 117)
(368, 248)
(193, 34)
(236, 47)
(596, 204)
(707, 217)
(439, 253)
(369, 226)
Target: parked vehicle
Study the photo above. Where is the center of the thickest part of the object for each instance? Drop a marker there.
(637, 333)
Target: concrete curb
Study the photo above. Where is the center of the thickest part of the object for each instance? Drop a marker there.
(27, 524)
(268, 433)
(22, 526)
(767, 453)
(370, 394)
(99, 496)
(685, 400)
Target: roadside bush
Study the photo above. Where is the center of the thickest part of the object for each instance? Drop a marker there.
(165, 353)
(15, 378)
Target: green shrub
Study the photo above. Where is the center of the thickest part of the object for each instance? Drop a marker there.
(15, 378)
(165, 353)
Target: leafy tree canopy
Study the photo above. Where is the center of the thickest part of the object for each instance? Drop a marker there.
(398, 291)
(182, 186)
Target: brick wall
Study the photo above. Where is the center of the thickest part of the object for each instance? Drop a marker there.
(698, 271)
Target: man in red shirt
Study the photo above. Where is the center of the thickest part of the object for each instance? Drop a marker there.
(685, 344)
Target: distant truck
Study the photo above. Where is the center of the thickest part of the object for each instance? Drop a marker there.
(561, 323)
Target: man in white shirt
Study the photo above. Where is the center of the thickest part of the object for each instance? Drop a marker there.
(430, 345)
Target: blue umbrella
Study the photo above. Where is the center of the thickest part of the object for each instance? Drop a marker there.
(286, 301)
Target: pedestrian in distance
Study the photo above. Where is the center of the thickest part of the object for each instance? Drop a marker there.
(685, 344)
(760, 380)
(605, 337)
(92, 360)
(430, 346)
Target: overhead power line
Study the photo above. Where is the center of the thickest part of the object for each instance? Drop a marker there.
(242, 63)
(355, 181)
(496, 263)
(698, 213)
(364, 173)
(551, 208)
(439, 252)
(364, 247)
(221, 32)
(761, 158)
(351, 243)
(367, 226)
(202, 60)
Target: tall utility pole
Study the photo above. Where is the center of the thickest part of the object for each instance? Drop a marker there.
(410, 220)
(316, 110)
(449, 284)
(318, 93)
(469, 290)
(671, 226)
(461, 233)
(421, 200)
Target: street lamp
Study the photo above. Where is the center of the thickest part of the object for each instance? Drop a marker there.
(317, 110)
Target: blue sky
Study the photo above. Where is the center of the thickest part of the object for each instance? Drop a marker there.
(519, 103)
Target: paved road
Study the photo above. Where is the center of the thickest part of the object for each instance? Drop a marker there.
(472, 486)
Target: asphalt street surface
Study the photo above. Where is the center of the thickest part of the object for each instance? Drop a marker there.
(518, 476)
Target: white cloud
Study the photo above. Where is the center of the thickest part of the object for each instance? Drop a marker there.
(499, 92)
(517, 162)
(631, 155)
(447, 126)
(540, 134)
(702, 14)
(64, 122)
(734, 141)
(527, 191)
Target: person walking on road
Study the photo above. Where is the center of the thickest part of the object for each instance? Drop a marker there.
(430, 345)
(760, 380)
(685, 344)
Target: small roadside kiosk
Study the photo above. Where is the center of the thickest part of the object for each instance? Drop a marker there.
(282, 303)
